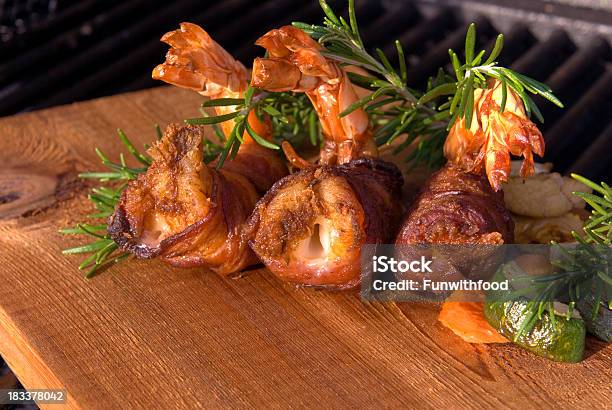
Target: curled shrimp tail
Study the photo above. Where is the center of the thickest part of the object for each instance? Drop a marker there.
(295, 63)
(197, 62)
(493, 136)
(309, 228)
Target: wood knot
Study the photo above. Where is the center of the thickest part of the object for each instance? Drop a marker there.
(10, 197)
(24, 191)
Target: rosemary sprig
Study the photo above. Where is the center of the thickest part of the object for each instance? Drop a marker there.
(598, 228)
(292, 116)
(394, 108)
(102, 250)
(344, 45)
(420, 119)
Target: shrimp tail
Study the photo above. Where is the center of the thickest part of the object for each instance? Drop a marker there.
(295, 63)
(197, 62)
(493, 136)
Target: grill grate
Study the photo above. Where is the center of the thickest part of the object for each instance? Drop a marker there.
(75, 50)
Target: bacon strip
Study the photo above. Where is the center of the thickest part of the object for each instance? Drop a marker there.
(455, 207)
(189, 214)
(309, 228)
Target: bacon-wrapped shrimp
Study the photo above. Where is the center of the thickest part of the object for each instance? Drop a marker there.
(309, 228)
(181, 210)
(190, 214)
(460, 203)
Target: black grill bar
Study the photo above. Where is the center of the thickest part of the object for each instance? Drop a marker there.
(146, 55)
(580, 124)
(545, 56)
(49, 28)
(574, 77)
(102, 78)
(309, 12)
(390, 25)
(438, 55)
(580, 70)
(517, 41)
(245, 27)
(68, 43)
(92, 58)
(594, 162)
(425, 32)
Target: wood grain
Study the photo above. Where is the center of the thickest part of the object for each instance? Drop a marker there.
(149, 336)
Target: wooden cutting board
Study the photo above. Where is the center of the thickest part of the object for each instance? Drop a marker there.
(146, 335)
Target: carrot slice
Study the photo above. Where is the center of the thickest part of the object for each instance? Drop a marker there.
(466, 320)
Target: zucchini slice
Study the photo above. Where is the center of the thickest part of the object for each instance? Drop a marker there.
(557, 338)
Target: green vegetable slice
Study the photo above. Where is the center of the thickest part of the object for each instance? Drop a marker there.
(557, 338)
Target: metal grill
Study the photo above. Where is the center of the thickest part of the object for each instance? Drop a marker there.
(88, 49)
(71, 51)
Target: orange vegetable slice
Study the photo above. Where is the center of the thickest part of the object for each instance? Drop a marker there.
(466, 320)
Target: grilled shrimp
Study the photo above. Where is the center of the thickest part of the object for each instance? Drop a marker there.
(295, 63)
(181, 210)
(493, 135)
(309, 228)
